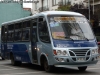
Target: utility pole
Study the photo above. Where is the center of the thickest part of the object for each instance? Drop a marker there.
(42, 5)
(89, 8)
(93, 7)
(21, 2)
(36, 4)
(47, 4)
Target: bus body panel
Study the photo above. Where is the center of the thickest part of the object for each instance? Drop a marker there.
(47, 50)
(20, 51)
(4, 50)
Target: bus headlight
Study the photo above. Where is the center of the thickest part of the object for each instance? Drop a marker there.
(95, 51)
(59, 52)
(64, 53)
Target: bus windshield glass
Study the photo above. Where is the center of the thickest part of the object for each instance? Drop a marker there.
(70, 27)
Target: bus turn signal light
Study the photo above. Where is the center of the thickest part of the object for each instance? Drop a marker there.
(98, 43)
(54, 51)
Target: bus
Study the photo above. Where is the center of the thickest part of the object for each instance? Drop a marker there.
(50, 39)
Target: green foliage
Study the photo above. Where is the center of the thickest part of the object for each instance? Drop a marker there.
(63, 8)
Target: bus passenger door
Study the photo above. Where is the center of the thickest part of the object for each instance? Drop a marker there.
(34, 42)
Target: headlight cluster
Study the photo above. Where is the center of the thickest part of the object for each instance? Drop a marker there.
(59, 52)
(95, 51)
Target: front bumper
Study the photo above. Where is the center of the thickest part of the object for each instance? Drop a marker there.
(76, 64)
(68, 61)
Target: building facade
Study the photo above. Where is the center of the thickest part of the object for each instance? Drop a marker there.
(95, 7)
(47, 5)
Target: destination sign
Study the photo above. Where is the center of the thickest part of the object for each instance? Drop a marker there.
(81, 19)
(64, 18)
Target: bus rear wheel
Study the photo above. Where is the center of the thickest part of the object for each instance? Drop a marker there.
(2, 58)
(82, 68)
(48, 68)
(13, 62)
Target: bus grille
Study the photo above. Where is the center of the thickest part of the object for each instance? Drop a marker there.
(74, 53)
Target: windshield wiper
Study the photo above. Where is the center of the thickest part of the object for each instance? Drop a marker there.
(80, 36)
(69, 38)
(86, 38)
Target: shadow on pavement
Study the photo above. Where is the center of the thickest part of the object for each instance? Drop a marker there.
(55, 71)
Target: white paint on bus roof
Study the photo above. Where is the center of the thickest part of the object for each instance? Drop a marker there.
(47, 13)
(60, 12)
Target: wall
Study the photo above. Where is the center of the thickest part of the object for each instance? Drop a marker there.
(12, 11)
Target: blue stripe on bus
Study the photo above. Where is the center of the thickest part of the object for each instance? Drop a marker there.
(74, 43)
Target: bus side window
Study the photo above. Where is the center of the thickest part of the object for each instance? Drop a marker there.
(25, 35)
(43, 32)
(16, 38)
(26, 30)
(18, 32)
(20, 35)
(2, 33)
(10, 35)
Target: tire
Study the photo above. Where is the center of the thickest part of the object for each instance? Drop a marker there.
(82, 68)
(3, 58)
(13, 62)
(47, 67)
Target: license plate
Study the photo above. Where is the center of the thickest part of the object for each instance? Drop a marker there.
(80, 59)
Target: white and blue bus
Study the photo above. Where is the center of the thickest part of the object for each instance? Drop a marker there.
(50, 39)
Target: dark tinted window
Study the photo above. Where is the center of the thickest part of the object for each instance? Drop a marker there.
(43, 31)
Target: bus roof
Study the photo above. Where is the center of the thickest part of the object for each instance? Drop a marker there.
(45, 13)
(61, 12)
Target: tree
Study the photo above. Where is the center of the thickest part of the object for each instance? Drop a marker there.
(64, 8)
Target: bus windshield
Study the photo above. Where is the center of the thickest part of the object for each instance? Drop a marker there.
(70, 27)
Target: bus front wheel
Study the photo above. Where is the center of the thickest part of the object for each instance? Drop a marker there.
(48, 68)
(82, 68)
(2, 58)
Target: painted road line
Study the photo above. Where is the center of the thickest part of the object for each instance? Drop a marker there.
(92, 68)
(8, 66)
(10, 69)
(25, 73)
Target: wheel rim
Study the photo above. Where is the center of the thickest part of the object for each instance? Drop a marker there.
(46, 67)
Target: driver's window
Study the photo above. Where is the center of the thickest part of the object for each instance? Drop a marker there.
(43, 30)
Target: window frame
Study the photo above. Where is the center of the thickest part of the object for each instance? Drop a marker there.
(40, 31)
